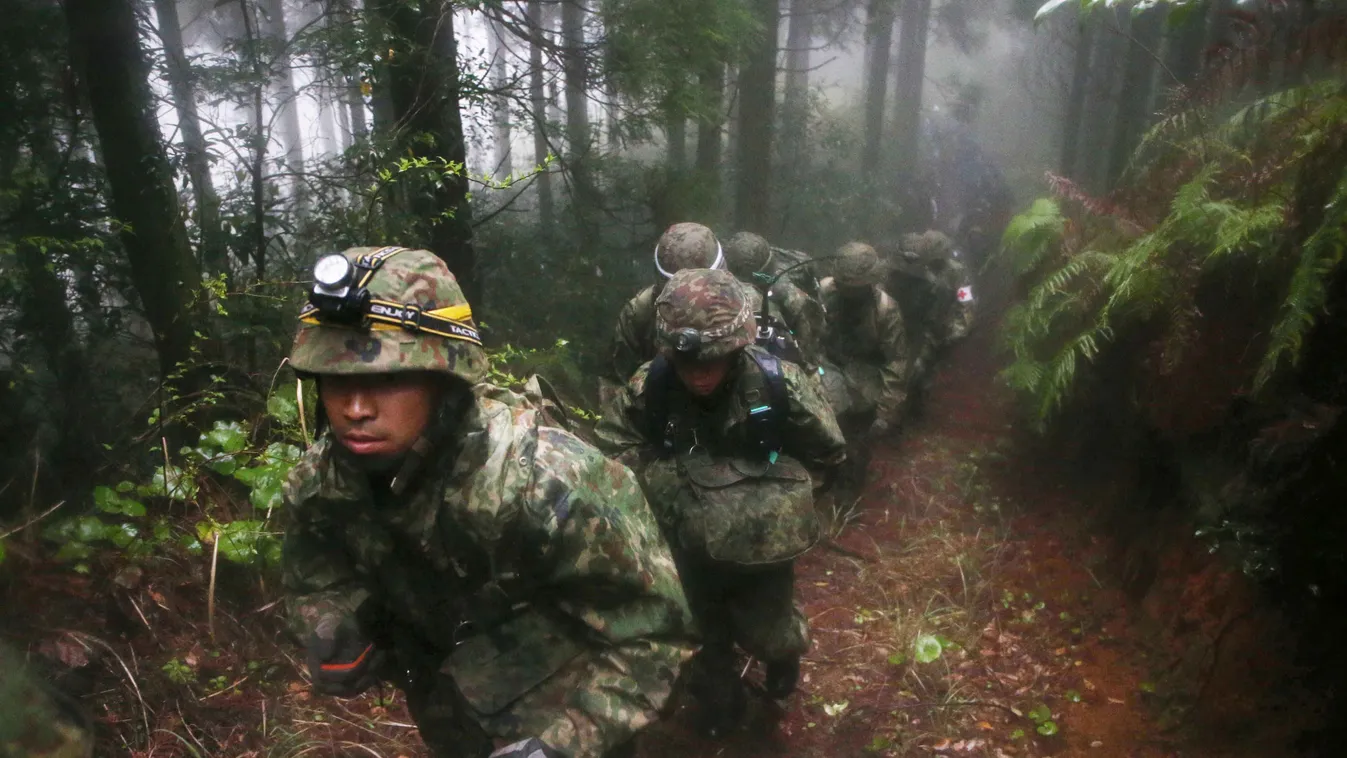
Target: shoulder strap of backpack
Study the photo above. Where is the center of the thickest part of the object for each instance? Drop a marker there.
(765, 421)
(657, 385)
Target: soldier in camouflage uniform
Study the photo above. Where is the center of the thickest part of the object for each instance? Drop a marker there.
(935, 292)
(750, 258)
(505, 574)
(724, 437)
(684, 245)
(866, 341)
(865, 370)
(36, 719)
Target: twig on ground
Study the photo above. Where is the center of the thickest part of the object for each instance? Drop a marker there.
(230, 687)
(210, 591)
(31, 521)
(85, 638)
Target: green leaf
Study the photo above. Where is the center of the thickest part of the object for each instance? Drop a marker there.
(1018, 734)
(283, 409)
(175, 485)
(107, 500)
(1147, 687)
(1047, 728)
(897, 659)
(926, 648)
(225, 437)
(1048, 7)
(1073, 696)
(1040, 713)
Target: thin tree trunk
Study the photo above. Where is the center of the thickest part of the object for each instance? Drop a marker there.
(1134, 101)
(795, 107)
(283, 88)
(879, 17)
(676, 132)
(538, 99)
(712, 81)
(1075, 104)
(214, 256)
(757, 106)
(259, 146)
(105, 42)
(916, 26)
(500, 99)
(577, 104)
(1101, 102)
(1183, 48)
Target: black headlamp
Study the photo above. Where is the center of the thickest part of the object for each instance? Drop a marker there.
(688, 342)
(336, 293)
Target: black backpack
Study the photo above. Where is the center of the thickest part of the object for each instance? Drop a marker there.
(765, 419)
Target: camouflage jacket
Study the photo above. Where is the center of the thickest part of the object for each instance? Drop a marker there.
(634, 338)
(875, 337)
(810, 433)
(530, 559)
(938, 307)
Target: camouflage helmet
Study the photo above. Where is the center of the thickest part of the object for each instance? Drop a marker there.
(704, 314)
(747, 253)
(929, 247)
(395, 310)
(857, 265)
(687, 245)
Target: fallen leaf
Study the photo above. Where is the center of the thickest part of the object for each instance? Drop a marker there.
(1096, 743)
(985, 726)
(1116, 701)
(69, 652)
(941, 745)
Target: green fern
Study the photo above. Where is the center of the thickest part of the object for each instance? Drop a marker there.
(1031, 236)
(1319, 259)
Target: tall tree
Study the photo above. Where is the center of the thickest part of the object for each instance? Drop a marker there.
(1101, 104)
(575, 66)
(676, 133)
(424, 87)
(113, 71)
(1183, 45)
(214, 255)
(283, 91)
(538, 101)
(916, 27)
(757, 106)
(500, 95)
(1075, 103)
(879, 16)
(1135, 98)
(711, 79)
(794, 104)
(353, 96)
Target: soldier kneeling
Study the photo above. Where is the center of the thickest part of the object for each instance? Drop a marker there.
(723, 436)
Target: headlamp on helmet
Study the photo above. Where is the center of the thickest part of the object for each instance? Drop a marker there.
(336, 294)
(687, 342)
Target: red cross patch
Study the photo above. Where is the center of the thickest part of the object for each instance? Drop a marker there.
(965, 294)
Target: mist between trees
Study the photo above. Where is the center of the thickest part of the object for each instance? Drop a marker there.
(170, 170)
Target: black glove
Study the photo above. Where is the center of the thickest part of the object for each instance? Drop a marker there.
(529, 748)
(342, 661)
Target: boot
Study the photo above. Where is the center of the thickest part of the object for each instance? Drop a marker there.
(722, 711)
(782, 677)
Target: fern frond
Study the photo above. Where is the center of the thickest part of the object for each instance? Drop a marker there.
(1319, 259)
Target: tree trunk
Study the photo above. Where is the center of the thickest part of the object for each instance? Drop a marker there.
(1075, 104)
(105, 41)
(1183, 48)
(424, 88)
(879, 41)
(676, 132)
(757, 103)
(283, 90)
(214, 256)
(712, 81)
(1134, 101)
(916, 26)
(1101, 103)
(795, 104)
(577, 105)
(500, 98)
(538, 99)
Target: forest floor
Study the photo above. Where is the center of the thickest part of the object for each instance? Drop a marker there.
(963, 608)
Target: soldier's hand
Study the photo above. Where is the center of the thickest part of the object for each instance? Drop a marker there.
(529, 748)
(342, 661)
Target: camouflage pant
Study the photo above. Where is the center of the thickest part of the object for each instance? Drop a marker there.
(752, 608)
(452, 728)
(853, 390)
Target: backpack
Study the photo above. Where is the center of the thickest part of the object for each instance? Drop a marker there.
(765, 418)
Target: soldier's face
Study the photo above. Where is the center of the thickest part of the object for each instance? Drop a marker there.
(379, 415)
(702, 378)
